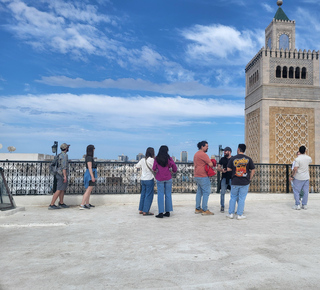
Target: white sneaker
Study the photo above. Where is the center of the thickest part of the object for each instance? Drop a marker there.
(241, 217)
(297, 207)
(230, 216)
(304, 206)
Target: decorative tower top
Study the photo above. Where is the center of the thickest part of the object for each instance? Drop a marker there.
(279, 2)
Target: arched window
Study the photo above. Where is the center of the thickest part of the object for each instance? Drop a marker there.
(285, 72)
(297, 74)
(284, 42)
(304, 73)
(278, 71)
(291, 71)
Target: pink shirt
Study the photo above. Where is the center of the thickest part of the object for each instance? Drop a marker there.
(200, 160)
(163, 173)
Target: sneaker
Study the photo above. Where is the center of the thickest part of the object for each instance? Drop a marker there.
(207, 212)
(197, 211)
(297, 207)
(230, 216)
(222, 209)
(304, 206)
(63, 205)
(84, 207)
(241, 217)
(90, 205)
(54, 207)
(160, 215)
(167, 214)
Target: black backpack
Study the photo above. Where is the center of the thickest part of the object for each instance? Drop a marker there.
(53, 168)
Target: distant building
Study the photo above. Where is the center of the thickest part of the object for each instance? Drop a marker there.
(25, 157)
(139, 156)
(174, 159)
(123, 158)
(184, 156)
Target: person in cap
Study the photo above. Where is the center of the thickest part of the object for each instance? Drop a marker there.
(242, 169)
(62, 178)
(226, 175)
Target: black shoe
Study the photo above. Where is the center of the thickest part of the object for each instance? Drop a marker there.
(90, 205)
(160, 215)
(54, 207)
(222, 209)
(63, 205)
(167, 214)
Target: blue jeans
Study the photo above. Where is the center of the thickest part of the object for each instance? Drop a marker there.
(203, 192)
(146, 198)
(238, 193)
(164, 191)
(297, 186)
(223, 190)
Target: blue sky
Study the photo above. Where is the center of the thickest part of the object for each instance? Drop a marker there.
(127, 74)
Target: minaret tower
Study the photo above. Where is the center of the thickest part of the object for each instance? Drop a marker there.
(282, 105)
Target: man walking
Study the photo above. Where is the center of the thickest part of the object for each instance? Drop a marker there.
(200, 160)
(62, 178)
(242, 169)
(300, 178)
(226, 175)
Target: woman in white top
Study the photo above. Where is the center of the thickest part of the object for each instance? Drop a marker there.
(147, 182)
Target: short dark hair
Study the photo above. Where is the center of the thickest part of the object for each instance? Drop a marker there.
(150, 152)
(242, 148)
(90, 149)
(302, 149)
(202, 144)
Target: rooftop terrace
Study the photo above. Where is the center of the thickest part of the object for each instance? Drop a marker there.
(113, 247)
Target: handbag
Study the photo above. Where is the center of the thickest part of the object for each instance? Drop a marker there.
(209, 170)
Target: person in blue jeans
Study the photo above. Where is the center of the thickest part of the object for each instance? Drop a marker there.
(242, 169)
(147, 182)
(200, 160)
(226, 175)
(163, 166)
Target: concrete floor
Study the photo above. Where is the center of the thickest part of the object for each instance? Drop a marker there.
(113, 247)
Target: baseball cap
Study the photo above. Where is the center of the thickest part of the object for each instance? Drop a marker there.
(227, 149)
(64, 146)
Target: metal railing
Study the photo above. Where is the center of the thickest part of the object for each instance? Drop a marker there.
(34, 178)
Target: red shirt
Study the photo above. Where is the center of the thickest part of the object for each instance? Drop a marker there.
(200, 160)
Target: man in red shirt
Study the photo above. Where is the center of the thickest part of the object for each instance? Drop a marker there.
(200, 160)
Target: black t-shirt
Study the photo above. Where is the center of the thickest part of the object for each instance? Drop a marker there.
(90, 159)
(224, 162)
(241, 166)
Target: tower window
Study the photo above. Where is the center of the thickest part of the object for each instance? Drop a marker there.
(278, 72)
(304, 73)
(291, 71)
(285, 72)
(297, 74)
(284, 41)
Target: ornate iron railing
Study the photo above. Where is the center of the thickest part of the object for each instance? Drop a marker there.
(33, 178)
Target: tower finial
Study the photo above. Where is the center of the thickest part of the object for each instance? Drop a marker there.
(279, 2)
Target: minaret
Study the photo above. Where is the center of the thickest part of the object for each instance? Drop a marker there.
(282, 105)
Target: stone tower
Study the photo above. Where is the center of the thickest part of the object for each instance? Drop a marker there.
(282, 105)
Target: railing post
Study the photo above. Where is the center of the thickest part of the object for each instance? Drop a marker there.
(287, 178)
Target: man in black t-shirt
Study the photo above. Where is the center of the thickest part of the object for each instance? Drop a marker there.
(226, 175)
(242, 169)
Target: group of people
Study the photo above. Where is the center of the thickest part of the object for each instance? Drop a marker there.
(90, 176)
(237, 173)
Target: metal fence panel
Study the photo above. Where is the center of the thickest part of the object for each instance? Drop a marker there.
(34, 178)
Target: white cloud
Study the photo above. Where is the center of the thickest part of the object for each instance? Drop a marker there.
(267, 7)
(220, 44)
(191, 88)
(101, 112)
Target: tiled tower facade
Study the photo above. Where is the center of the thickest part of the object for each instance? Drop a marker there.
(282, 106)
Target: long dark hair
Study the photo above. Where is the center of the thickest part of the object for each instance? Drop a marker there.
(150, 152)
(90, 150)
(163, 156)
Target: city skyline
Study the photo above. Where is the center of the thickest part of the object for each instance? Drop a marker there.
(127, 75)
